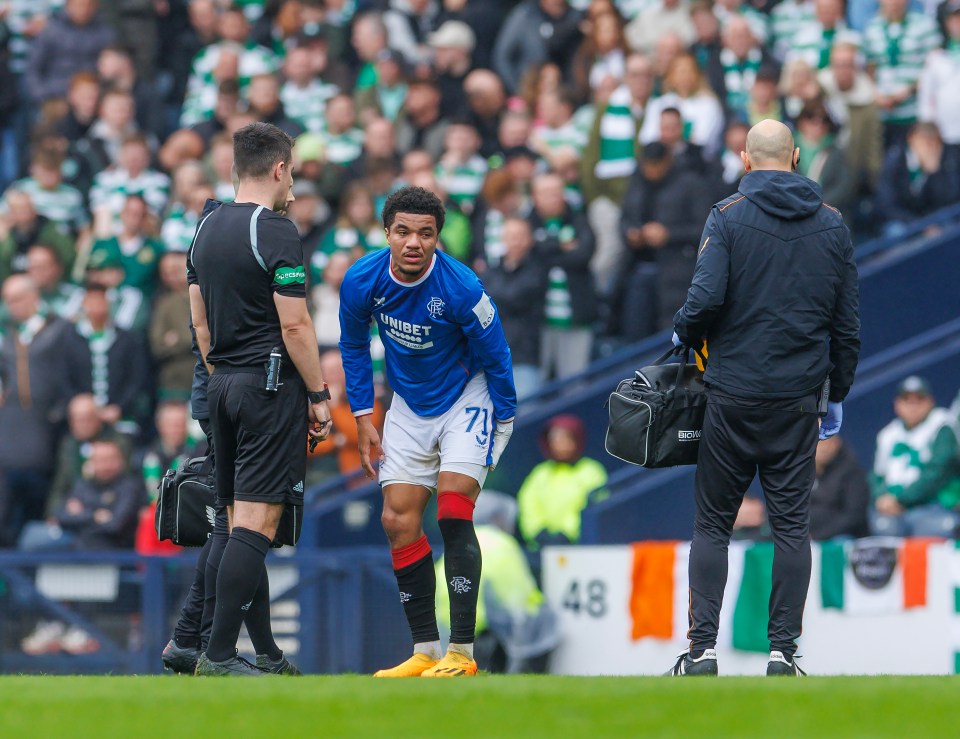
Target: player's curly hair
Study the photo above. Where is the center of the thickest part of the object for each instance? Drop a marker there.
(413, 200)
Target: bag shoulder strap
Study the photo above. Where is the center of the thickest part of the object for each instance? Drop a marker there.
(195, 467)
(207, 467)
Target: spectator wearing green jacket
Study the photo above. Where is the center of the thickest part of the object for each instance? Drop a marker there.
(134, 248)
(557, 490)
(21, 227)
(915, 483)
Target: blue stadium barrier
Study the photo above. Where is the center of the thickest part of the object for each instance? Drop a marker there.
(349, 519)
(130, 627)
(907, 289)
(332, 487)
(347, 615)
(941, 218)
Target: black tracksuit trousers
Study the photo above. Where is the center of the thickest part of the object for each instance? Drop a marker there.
(778, 439)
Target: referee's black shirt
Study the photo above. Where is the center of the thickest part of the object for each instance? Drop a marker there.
(242, 254)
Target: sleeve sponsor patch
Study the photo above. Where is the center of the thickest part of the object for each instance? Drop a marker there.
(484, 311)
(289, 276)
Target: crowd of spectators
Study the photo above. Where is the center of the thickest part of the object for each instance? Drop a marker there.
(577, 145)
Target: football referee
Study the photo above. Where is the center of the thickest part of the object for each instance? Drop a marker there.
(775, 295)
(248, 306)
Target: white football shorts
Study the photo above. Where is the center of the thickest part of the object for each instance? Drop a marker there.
(417, 449)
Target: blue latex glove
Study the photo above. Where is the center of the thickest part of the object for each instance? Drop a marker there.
(830, 425)
(676, 340)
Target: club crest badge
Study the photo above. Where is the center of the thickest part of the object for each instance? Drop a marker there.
(435, 307)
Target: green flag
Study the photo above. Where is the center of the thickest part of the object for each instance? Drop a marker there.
(833, 563)
(751, 614)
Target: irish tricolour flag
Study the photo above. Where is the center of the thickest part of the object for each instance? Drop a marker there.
(870, 576)
(659, 597)
(874, 576)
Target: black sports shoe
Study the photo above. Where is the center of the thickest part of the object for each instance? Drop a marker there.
(182, 660)
(705, 664)
(282, 666)
(781, 665)
(236, 666)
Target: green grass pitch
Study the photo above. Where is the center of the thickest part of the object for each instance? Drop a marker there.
(487, 706)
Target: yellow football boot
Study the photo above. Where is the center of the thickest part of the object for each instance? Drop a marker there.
(453, 664)
(413, 667)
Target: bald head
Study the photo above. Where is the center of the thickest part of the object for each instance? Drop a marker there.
(485, 92)
(21, 296)
(770, 146)
(19, 284)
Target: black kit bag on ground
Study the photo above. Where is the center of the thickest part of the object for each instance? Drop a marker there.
(186, 506)
(656, 417)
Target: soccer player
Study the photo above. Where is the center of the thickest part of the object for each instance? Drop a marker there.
(452, 415)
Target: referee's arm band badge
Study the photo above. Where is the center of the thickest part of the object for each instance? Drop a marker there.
(289, 276)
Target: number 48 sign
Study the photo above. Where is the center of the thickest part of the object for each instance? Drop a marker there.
(586, 596)
(589, 589)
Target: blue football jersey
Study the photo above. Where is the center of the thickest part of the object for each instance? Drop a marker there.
(437, 332)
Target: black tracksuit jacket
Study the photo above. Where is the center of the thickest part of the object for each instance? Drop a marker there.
(775, 292)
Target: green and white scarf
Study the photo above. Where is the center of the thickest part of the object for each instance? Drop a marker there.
(559, 304)
(493, 246)
(739, 76)
(918, 178)
(618, 133)
(65, 300)
(28, 330)
(99, 343)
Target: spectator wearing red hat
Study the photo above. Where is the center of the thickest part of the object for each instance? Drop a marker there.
(558, 489)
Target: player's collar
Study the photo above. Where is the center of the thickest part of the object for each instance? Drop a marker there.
(419, 280)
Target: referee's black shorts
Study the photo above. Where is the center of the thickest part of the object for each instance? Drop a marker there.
(260, 437)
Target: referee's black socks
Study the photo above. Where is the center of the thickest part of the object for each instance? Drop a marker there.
(417, 580)
(237, 583)
(218, 542)
(461, 557)
(257, 620)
